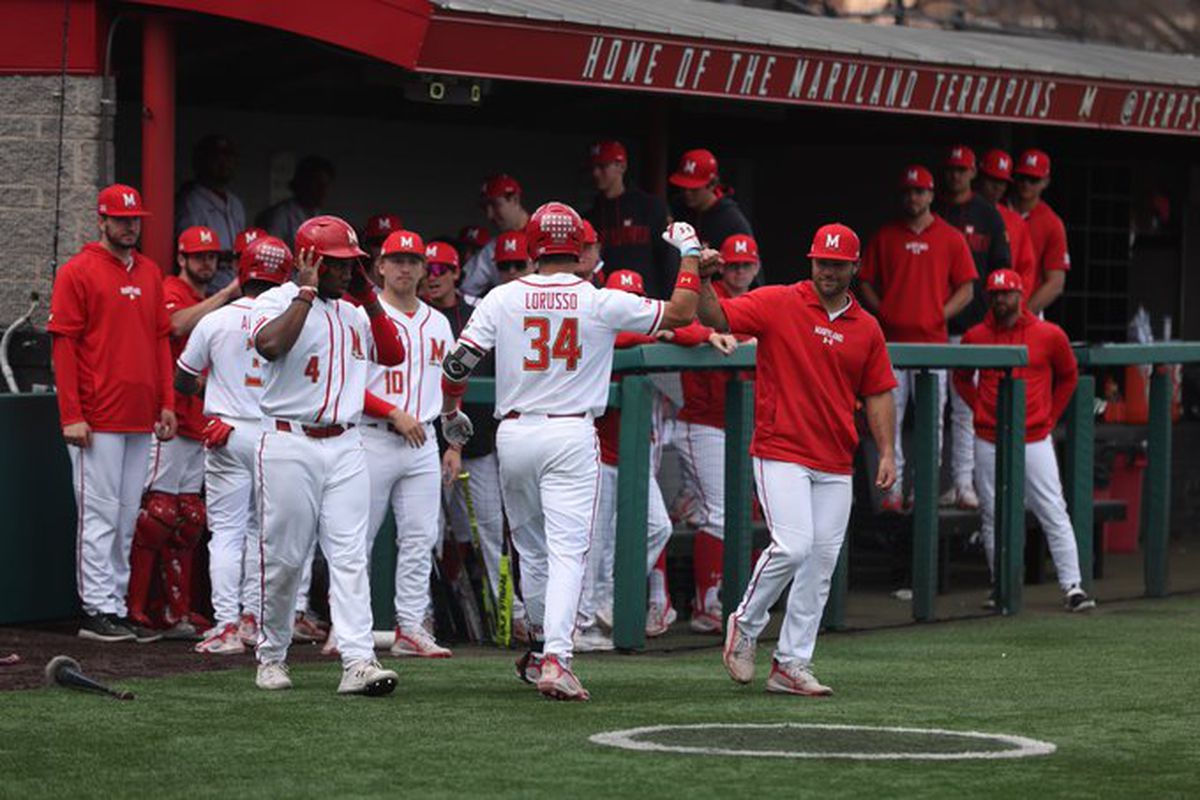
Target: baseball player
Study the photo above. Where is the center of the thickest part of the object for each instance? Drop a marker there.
(591, 266)
(244, 239)
(987, 238)
(377, 229)
(553, 335)
(819, 352)
(917, 275)
(995, 177)
(312, 474)
(402, 452)
(220, 348)
(112, 359)
(704, 202)
(1050, 381)
(208, 201)
(512, 256)
(700, 435)
(311, 182)
(471, 239)
(500, 197)
(172, 519)
(1047, 233)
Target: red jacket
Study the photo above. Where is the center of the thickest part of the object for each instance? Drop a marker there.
(608, 427)
(1049, 379)
(704, 389)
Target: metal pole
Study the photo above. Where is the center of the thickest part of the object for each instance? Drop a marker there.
(925, 491)
(633, 486)
(1080, 475)
(158, 139)
(1010, 495)
(739, 539)
(1156, 487)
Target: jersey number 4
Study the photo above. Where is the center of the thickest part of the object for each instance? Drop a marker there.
(313, 369)
(565, 348)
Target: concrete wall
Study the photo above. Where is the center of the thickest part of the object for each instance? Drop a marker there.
(29, 154)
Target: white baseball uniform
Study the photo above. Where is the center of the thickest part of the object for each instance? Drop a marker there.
(407, 478)
(221, 345)
(553, 336)
(312, 473)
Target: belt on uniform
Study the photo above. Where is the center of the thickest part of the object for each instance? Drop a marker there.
(517, 415)
(312, 431)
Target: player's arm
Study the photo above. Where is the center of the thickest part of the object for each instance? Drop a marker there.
(881, 420)
(193, 361)
(709, 309)
(870, 297)
(185, 319)
(960, 299)
(695, 263)
(1048, 292)
(276, 338)
(1066, 375)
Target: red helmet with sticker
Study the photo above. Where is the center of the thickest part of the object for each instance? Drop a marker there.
(329, 236)
(266, 258)
(555, 228)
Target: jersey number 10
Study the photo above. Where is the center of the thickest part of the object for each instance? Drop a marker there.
(565, 348)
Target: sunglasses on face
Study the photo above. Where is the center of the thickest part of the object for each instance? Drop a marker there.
(438, 270)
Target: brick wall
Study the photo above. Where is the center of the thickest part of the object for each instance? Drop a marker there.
(29, 122)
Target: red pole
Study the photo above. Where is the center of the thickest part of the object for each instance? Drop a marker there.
(158, 139)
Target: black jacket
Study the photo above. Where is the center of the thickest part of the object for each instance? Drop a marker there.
(983, 227)
(630, 228)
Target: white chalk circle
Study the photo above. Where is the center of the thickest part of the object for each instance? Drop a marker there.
(815, 740)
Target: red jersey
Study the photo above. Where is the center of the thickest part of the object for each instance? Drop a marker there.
(915, 275)
(1049, 379)
(189, 409)
(1021, 244)
(608, 427)
(812, 367)
(704, 390)
(1048, 236)
(112, 362)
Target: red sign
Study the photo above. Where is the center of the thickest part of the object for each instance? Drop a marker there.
(492, 47)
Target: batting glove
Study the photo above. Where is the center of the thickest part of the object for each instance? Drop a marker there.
(682, 237)
(216, 433)
(457, 427)
(360, 287)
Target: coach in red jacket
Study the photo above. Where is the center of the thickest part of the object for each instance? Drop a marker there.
(1050, 381)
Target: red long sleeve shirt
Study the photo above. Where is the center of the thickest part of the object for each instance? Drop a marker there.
(1050, 378)
(608, 427)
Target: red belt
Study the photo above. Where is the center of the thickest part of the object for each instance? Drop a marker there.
(517, 415)
(313, 431)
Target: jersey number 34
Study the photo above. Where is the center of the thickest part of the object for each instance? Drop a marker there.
(565, 347)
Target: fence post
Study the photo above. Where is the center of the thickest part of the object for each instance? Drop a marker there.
(925, 497)
(739, 539)
(633, 481)
(383, 576)
(1156, 487)
(1080, 475)
(1009, 530)
(834, 617)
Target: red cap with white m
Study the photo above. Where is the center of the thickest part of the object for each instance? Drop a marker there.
(835, 242)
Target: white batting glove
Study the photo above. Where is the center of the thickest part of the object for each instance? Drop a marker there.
(682, 237)
(457, 427)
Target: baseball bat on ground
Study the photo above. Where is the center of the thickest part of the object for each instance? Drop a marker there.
(66, 672)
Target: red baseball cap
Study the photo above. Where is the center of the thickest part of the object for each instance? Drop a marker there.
(474, 236)
(441, 253)
(835, 242)
(1033, 163)
(626, 280)
(403, 242)
(608, 153)
(739, 249)
(916, 177)
(511, 246)
(199, 239)
(120, 200)
(245, 238)
(589, 234)
(1005, 280)
(381, 226)
(499, 186)
(997, 164)
(696, 169)
(961, 156)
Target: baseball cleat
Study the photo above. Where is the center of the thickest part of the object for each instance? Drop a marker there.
(183, 630)
(248, 630)
(307, 630)
(225, 641)
(795, 678)
(143, 629)
(739, 653)
(273, 676)
(1078, 600)
(330, 647)
(949, 498)
(659, 619)
(557, 682)
(967, 499)
(529, 667)
(604, 616)
(104, 628)
(893, 503)
(367, 677)
(417, 642)
(705, 622)
(591, 640)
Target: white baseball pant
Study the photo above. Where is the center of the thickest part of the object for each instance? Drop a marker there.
(233, 557)
(1043, 496)
(549, 476)
(962, 437)
(176, 466)
(906, 386)
(702, 453)
(314, 489)
(807, 511)
(408, 480)
(108, 478)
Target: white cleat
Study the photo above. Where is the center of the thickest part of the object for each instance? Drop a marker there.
(949, 498)
(273, 676)
(795, 678)
(592, 640)
(558, 682)
(659, 619)
(604, 616)
(418, 643)
(307, 629)
(367, 677)
(248, 630)
(223, 641)
(705, 622)
(739, 653)
(330, 647)
(967, 499)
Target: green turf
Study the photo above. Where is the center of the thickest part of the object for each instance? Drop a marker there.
(1116, 691)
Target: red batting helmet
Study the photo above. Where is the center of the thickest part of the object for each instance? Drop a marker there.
(835, 242)
(627, 281)
(511, 246)
(441, 253)
(120, 200)
(554, 228)
(266, 258)
(739, 249)
(403, 242)
(696, 170)
(199, 239)
(589, 235)
(329, 236)
(997, 164)
(1004, 280)
(244, 238)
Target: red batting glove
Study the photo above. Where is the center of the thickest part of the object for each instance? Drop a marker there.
(216, 433)
(361, 288)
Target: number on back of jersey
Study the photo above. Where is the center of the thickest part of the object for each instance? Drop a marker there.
(565, 346)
